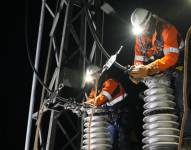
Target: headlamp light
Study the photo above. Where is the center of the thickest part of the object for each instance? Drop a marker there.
(89, 77)
(137, 30)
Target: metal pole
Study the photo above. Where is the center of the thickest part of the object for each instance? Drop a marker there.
(34, 82)
(185, 89)
(52, 122)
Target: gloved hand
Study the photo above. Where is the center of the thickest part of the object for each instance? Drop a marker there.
(140, 71)
(99, 100)
(90, 101)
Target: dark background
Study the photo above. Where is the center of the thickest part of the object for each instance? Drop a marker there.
(18, 72)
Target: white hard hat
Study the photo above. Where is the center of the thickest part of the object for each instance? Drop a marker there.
(140, 18)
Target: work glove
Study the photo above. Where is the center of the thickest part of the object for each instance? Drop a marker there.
(99, 100)
(140, 71)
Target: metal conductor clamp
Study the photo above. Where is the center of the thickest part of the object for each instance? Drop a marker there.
(160, 121)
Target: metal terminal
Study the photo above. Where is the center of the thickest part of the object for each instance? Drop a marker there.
(67, 104)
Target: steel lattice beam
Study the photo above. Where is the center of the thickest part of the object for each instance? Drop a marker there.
(71, 48)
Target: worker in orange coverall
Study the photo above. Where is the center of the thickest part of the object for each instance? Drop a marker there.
(112, 94)
(159, 48)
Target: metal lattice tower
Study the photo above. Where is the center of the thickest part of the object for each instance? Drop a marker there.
(71, 48)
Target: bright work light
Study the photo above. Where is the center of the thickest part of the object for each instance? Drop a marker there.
(88, 78)
(137, 30)
(91, 73)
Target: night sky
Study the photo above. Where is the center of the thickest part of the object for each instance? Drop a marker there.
(17, 68)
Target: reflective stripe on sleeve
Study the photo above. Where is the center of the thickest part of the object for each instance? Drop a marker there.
(105, 93)
(171, 49)
(116, 100)
(139, 58)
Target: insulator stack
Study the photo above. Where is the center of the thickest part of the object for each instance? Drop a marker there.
(160, 122)
(96, 135)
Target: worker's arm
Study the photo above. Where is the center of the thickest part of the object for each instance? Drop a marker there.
(171, 49)
(105, 94)
(171, 55)
(99, 100)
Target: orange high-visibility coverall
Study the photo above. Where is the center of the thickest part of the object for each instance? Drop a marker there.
(171, 44)
(111, 92)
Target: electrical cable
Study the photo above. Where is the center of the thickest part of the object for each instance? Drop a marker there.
(93, 33)
(92, 29)
(30, 60)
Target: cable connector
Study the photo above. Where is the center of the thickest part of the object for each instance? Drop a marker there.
(111, 60)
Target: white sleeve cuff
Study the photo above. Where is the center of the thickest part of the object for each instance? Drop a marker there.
(105, 93)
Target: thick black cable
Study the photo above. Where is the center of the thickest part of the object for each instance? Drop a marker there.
(94, 34)
(30, 60)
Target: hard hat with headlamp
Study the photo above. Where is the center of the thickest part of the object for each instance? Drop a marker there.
(140, 19)
(92, 72)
